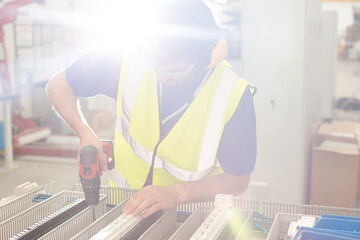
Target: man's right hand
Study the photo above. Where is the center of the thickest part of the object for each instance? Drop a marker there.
(89, 138)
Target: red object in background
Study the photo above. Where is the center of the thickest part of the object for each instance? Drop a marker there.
(23, 123)
(48, 151)
(55, 151)
(8, 14)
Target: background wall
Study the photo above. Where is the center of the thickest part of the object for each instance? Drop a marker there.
(281, 55)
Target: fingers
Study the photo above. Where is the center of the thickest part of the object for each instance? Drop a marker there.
(151, 210)
(149, 200)
(102, 161)
(140, 201)
(136, 204)
(141, 207)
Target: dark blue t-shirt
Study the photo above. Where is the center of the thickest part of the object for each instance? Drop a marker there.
(98, 73)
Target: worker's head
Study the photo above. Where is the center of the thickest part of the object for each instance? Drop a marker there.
(188, 35)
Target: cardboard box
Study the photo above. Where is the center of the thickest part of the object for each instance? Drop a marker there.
(338, 131)
(335, 165)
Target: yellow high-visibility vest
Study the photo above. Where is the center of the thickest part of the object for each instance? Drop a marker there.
(188, 152)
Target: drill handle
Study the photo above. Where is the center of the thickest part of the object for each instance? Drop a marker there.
(108, 149)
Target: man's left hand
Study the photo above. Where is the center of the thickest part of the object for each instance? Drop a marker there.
(154, 198)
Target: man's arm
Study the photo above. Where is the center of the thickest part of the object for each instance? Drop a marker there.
(66, 104)
(164, 197)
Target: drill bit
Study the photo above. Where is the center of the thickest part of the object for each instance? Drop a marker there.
(93, 212)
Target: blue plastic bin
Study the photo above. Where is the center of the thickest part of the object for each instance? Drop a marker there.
(339, 223)
(306, 233)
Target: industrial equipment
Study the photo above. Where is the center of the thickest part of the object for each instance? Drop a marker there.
(50, 222)
(8, 14)
(88, 171)
(217, 220)
(66, 216)
(20, 190)
(45, 217)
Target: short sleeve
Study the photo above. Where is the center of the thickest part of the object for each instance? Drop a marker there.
(238, 148)
(95, 73)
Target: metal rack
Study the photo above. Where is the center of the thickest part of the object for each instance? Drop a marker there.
(282, 221)
(71, 227)
(189, 227)
(34, 214)
(19, 204)
(249, 209)
(22, 213)
(100, 223)
(118, 195)
(158, 229)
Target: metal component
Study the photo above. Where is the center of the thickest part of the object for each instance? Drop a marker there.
(103, 221)
(135, 232)
(217, 220)
(52, 221)
(93, 213)
(115, 195)
(17, 205)
(127, 227)
(118, 228)
(279, 229)
(37, 213)
(163, 228)
(77, 223)
(81, 225)
(303, 221)
(18, 191)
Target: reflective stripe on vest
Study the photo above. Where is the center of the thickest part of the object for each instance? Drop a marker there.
(118, 179)
(221, 93)
(146, 156)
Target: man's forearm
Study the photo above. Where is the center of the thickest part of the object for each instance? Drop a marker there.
(65, 102)
(164, 197)
(206, 190)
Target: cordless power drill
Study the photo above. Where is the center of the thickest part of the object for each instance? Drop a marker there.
(89, 176)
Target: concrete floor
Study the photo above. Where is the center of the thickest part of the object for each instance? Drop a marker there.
(42, 170)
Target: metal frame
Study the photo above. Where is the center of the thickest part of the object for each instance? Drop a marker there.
(163, 228)
(80, 221)
(100, 223)
(18, 205)
(118, 195)
(190, 226)
(32, 215)
(81, 226)
(267, 209)
(282, 221)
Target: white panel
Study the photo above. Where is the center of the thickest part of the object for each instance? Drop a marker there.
(273, 54)
(278, 58)
(329, 61)
(313, 80)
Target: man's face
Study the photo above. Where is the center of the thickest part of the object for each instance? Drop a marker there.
(177, 72)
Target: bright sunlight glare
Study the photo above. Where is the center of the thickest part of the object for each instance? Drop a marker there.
(124, 24)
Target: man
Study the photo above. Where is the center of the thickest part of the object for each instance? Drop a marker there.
(185, 126)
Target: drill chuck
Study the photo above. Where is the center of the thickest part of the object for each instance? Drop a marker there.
(92, 198)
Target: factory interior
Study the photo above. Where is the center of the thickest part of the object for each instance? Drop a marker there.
(242, 123)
